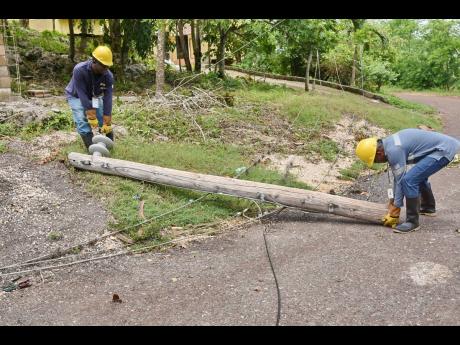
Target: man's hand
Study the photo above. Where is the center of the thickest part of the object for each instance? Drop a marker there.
(391, 219)
(107, 126)
(92, 119)
(392, 209)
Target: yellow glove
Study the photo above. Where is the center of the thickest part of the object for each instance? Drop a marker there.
(92, 119)
(391, 219)
(107, 126)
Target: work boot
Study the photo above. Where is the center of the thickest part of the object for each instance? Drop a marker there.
(412, 214)
(87, 139)
(428, 203)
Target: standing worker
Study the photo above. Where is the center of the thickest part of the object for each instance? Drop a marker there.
(429, 151)
(89, 94)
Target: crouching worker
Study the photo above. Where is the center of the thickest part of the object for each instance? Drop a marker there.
(89, 94)
(429, 152)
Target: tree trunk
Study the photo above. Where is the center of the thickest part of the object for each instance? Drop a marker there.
(196, 42)
(353, 67)
(290, 197)
(307, 72)
(160, 63)
(209, 58)
(25, 23)
(84, 38)
(238, 57)
(124, 53)
(115, 43)
(71, 41)
(221, 53)
(54, 25)
(180, 26)
(6, 27)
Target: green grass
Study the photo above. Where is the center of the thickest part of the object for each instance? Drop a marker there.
(317, 111)
(3, 147)
(123, 195)
(357, 168)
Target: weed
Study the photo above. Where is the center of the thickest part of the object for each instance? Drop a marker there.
(8, 129)
(55, 235)
(352, 172)
(59, 121)
(3, 147)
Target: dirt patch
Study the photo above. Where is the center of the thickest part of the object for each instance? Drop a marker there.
(44, 147)
(318, 172)
(36, 200)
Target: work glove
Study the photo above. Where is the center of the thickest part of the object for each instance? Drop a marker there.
(107, 124)
(92, 119)
(391, 219)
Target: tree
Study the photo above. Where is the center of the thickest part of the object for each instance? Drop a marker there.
(196, 42)
(160, 61)
(183, 44)
(25, 23)
(218, 32)
(357, 25)
(71, 41)
(378, 73)
(125, 35)
(301, 39)
(85, 26)
(442, 39)
(427, 52)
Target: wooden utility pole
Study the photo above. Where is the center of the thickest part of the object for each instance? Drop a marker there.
(290, 197)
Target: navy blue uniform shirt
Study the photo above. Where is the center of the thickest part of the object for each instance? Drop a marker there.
(85, 84)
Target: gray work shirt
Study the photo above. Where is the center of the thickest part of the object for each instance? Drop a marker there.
(408, 146)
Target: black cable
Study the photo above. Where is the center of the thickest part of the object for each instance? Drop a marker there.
(274, 276)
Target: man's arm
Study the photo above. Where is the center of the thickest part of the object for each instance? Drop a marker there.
(397, 161)
(80, 87)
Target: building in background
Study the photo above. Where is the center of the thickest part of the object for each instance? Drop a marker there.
(175, 57)
(62, 26)
(5, 80)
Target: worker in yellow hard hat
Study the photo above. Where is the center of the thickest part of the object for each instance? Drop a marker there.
(429, 151)
(89, 94)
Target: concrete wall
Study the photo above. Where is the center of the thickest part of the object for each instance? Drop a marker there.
(5, 80)
(61, 25)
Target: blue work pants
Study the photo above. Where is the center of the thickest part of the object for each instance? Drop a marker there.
(417, 177)
(79, 116)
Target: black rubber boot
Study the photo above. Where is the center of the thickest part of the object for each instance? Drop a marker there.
(428, 203)
(412, 215)
(87, 139)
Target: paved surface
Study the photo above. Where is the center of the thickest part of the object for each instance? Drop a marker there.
(331, 271)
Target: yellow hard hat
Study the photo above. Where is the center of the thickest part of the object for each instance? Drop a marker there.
(103, 54)
(366, 150)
